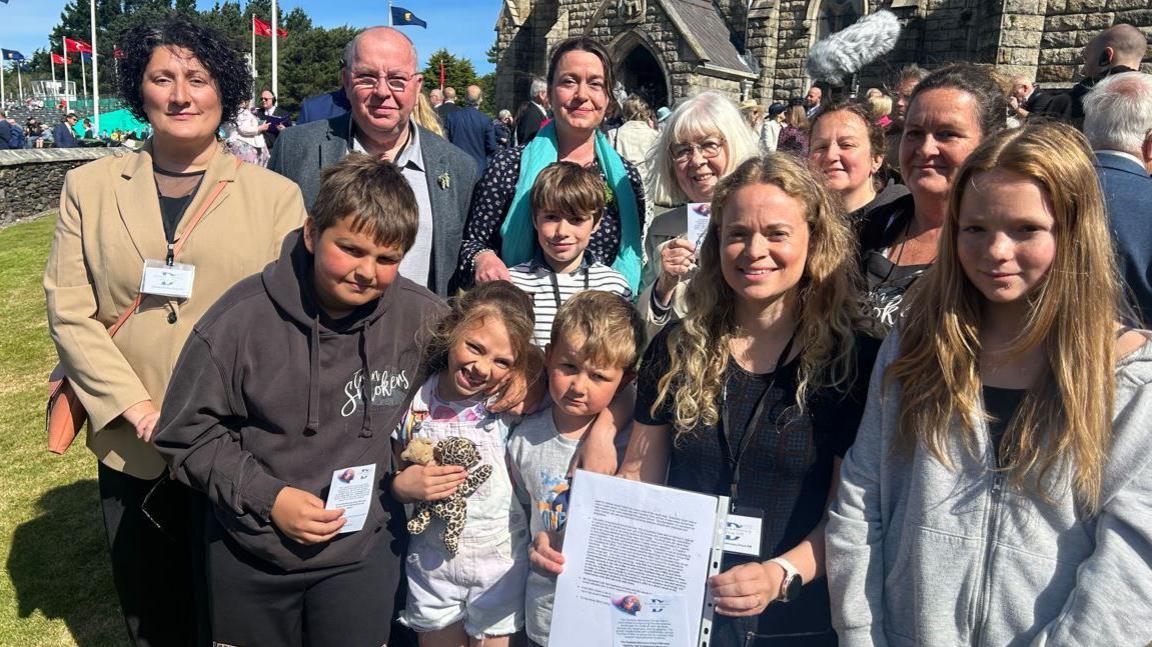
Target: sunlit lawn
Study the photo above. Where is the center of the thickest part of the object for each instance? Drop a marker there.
(56, 587)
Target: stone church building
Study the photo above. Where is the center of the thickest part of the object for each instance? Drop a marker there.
(671, 49)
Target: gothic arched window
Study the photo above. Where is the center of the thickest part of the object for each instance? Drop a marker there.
(834, 15)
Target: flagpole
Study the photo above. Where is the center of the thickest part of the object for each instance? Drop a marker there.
(64, 53)
(275, 49)
(95, 71)
(390, 13)
(252, 28)
(3, 96)
(83, 74)
(20, 80)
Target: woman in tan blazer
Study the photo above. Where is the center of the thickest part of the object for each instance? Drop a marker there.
(115, 214)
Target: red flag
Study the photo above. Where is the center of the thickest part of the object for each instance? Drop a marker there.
(56, 58)
(264, 29)
(118, 53)
(77, 45)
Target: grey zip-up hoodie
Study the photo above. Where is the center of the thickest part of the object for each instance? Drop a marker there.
(920, 554)
(266, 395)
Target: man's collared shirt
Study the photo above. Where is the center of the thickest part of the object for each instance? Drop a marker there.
(417, 263)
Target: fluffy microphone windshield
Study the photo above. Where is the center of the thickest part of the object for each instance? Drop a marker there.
(842, 54)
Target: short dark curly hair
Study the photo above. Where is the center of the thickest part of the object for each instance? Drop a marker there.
(215, 52)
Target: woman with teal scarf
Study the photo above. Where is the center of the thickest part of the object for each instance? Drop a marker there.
(499, 232)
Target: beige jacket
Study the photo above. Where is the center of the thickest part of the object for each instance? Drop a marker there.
(109, 224)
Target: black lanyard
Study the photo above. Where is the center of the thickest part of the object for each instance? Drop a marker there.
(556, 287)
(753, 422)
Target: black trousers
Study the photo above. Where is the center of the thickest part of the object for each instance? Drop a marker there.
(155, 570)
(256, 603)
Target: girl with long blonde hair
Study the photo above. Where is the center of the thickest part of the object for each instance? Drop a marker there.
(756, 393)
(999, 488)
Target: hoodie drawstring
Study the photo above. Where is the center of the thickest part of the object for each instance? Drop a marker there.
(313, 425)
(366, 393)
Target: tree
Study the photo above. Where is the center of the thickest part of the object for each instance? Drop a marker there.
(75, 22)
(310, 64)
(488, 87)
(309, 56)
(458, 72)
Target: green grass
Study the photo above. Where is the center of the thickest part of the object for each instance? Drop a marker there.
(56, 587)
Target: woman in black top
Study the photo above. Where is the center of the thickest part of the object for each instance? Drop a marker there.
(756, 394)
(950, 113)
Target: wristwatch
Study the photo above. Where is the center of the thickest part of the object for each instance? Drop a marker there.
(792, 582)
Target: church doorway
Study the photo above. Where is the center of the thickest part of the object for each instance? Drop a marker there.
(640, 73)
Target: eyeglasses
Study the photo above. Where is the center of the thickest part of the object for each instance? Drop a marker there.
(708, 148)
(267, 98)
(395, 82)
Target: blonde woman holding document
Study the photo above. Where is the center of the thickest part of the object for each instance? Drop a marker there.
(757, 392)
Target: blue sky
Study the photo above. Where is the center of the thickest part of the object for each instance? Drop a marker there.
(464, 27)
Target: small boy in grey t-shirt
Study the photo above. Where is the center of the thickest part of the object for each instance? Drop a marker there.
(596, 341)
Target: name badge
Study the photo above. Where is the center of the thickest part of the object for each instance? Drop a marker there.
(162, 279)
(742, 534)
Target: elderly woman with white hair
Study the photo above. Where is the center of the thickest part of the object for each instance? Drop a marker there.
(503, 125)
(705, 139)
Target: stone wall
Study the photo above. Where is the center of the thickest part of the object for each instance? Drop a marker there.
(30, 180)
(1040, 38)
(1070, 24)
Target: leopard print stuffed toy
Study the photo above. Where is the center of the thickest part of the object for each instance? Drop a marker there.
(454, 509)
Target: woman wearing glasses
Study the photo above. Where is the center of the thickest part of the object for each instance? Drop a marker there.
(703, 141)
(499, 232)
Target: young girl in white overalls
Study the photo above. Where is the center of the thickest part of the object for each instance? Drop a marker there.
(476, 595)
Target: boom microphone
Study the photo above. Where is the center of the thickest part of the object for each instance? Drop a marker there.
(845, 52)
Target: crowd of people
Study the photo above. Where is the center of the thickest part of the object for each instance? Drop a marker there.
(910, 342)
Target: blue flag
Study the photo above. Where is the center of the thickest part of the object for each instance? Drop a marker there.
(11, 54)
(401, 16)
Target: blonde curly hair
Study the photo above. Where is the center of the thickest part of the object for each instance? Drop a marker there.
(827, 301)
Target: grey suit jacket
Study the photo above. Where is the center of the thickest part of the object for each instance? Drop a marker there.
(668, 223)
(302, 151)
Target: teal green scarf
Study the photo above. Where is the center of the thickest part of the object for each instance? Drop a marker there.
(519, 235)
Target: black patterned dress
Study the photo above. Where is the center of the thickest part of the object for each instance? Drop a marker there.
(786, 471)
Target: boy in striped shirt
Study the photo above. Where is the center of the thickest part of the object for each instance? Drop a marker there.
(567, 203)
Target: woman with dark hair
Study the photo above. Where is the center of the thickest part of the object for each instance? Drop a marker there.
(949, 114)
(846, 148)
(197, 220)
(499, 232)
